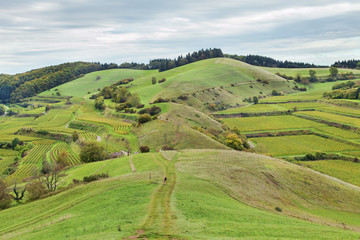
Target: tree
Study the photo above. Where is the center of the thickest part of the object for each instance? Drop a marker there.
(5, 198)
(233, 141)
(15, 142)
(18, 192)
(153, 80)
(333, 71)
(358, 65)
(144, 118)
(255, 99)
(62, 158)
(313, 77)
(99, 103)
(50, 177)
(92, 152)
(35, 190)
(298, 78)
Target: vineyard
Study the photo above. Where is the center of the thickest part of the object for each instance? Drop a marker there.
(30, 163)
(123, 128)
(88, 136)
(72, 159)
(8, 152)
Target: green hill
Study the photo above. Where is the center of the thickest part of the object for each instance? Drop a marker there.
(209, 194)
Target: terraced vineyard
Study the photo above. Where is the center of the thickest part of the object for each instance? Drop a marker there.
(123, 128)
(72, 159)
(88, 136)
(31, 162)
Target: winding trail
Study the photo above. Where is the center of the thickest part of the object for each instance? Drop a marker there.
(160, 222)
(6, 108)
(132, 166)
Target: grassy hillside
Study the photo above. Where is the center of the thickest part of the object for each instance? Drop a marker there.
(203, 81)
(209, 194)
(89, 83)
(304, 72)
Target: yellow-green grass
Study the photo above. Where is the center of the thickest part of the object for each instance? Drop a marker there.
(5, 162)
(343, 170)
(299, 145)
(88, 83)
(249, 124)
(110, 209)
(304, 72)
(182, 114)
(233, 178)
(199, 76)
(339, 132)
(158, 133)
(332, 117)
(8, 152)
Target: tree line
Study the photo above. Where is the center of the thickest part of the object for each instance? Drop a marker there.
(263, 61)
(347, 64)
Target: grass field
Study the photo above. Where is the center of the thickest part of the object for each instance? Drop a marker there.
(332, 117)
(89, 83)
(304, 72)
(296, 145)
(199, 199)
(344, 170)
(249, 124)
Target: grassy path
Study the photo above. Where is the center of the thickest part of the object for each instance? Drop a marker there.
(160, 223)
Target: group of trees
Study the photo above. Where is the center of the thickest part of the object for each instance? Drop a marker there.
(263, 61)
(348, 64)
(117, 94)
(13, 88)
(347, 90)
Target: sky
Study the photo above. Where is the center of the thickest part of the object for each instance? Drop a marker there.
(36, 33)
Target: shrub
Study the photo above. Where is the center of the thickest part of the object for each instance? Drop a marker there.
(35, 190)
(167, 147)
(92, 152)
(278, 209)
(144, 149)
(144, 118)
(95, 177)
(162, 80)
(5, 198)
(140, 106)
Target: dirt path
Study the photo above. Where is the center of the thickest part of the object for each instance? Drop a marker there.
(160, 221)
(6, 108)
(132, 166)
(98, 138)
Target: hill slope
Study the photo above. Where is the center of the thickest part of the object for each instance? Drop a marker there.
(207, 196)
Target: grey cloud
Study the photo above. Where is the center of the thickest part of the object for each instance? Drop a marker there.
(38, 33)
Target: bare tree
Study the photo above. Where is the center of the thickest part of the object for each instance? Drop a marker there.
(50, 177)
(18, 192)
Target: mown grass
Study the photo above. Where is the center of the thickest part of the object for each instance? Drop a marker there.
(300, 144)
(89, 83)
(332, 117)
(213, 185)
(248, 124)
(344, 170)
(304, 72)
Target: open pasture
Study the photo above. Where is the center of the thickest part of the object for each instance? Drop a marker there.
(344, 170)
(299, 145)
(251, 124)
(332, 117)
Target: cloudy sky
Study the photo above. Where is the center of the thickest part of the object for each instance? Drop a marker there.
(37, 33)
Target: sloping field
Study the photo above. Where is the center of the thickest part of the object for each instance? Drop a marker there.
(89, 83)
(209, 194)
(248, 124)
(301, 144)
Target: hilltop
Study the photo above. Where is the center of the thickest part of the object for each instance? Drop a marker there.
(295, 174)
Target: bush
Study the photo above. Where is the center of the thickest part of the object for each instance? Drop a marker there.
(95, 177)
(140, 106)
(5, 198)
(35, 190)
(144, 149)
(144, 118)
(162, 80)
(92, 152)
(278, 209)
(167, 147)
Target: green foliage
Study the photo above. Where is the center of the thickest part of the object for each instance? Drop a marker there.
(333, 71)
(75, 136)
(35, 190)
(143, 118)
(255, 99)
(343, 85)
(2, 110)
(233, 141)
(92, 152)
(99, 103)
(5, 198)
(275, 92)
(15, 142)
(95, 177)
(153, 80)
